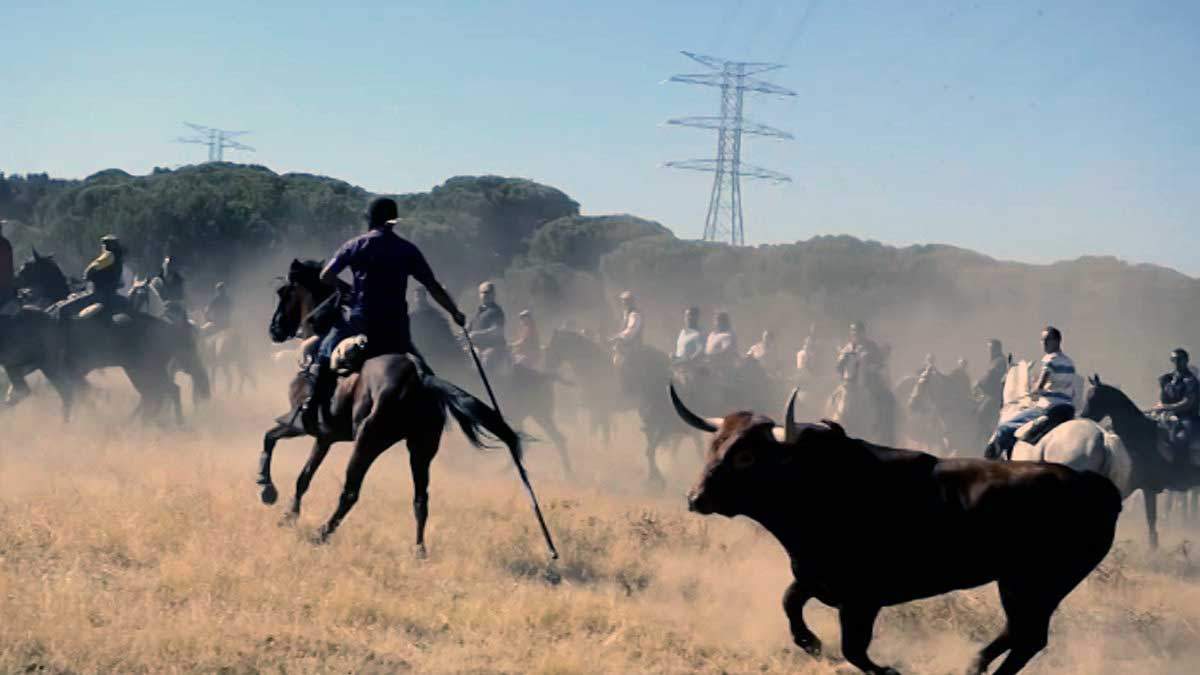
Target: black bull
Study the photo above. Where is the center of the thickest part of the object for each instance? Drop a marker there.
(907, 526)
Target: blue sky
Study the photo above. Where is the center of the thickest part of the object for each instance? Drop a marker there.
(1028, 130)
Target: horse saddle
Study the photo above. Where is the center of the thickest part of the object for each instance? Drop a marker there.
(1035, 430)
(1167, 428)
(349, 355)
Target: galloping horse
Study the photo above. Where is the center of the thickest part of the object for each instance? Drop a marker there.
(1153, 469)
(223, 352)
(607, 390)
(867, 410)
(389, 400)
(527, 393)
(946, 408)
(66, 348)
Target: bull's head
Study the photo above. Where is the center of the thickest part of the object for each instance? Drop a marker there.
(747, 452)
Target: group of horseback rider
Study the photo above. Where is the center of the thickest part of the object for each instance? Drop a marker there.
(104, 276)
(375, 306)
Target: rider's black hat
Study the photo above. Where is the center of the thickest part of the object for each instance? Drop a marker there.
(381, 210)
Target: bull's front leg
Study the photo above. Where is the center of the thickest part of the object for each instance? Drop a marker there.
(794, 599)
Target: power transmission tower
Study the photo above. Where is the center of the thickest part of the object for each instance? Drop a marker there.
(217, 140)
(734, 79)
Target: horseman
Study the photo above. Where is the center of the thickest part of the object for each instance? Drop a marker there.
(8, 283)
(629, 339)
(689, 346)
(1053, 396)
(527, 349)
(218, 311)
(381, 262)
(960, 376)
(861, 358)
(168, 285)
(1178, 408)
(721, 348)
(487, 330)
(988, 391)
(763, 352)
(105, 275)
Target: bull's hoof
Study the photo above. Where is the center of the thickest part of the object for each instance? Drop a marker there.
(320, 537)
(289, 519)
(419, 552)
(811, 646)
(269, 494)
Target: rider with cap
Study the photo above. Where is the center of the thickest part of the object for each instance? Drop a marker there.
(381, 262)
(105, 275)
(1053, 395)
(1179, 404)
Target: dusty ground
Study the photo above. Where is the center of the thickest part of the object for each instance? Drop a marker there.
(148, 551)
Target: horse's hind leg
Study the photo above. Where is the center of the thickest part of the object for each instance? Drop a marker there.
(367, 448)
(422, 448)
(319, 450)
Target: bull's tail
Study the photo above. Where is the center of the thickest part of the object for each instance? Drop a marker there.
(478, 420)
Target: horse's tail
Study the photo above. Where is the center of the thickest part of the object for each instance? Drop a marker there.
(477, 419)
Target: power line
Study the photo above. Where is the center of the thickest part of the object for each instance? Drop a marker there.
(734, 79)
(217, 140)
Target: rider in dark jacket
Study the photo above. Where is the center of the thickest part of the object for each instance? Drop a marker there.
(1179, 400)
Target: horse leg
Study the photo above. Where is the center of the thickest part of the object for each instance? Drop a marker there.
(367, 448)
(655, 477)
(1150, 498)
(421, 450)
(560, 441)
(794, 599)
(279, 431)
(319, 450)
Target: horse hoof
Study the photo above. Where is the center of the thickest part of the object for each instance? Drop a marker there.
(269, 494)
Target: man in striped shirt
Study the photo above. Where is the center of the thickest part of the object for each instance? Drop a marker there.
(1053, 395)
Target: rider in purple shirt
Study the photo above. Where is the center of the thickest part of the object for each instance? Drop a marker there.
(381, 262)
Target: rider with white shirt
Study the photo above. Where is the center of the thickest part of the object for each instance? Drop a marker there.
(1053, 395)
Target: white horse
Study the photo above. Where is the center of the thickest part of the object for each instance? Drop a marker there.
(1080, 444)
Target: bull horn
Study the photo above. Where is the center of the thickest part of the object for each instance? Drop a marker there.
(789, 418)
(690, 418)
(788, 432)
(36, 256)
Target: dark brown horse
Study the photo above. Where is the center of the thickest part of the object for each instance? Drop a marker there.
(389, 400)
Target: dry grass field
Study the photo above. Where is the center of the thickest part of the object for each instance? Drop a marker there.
(147, 551)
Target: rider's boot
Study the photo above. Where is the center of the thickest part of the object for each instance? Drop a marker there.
(317, 402)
